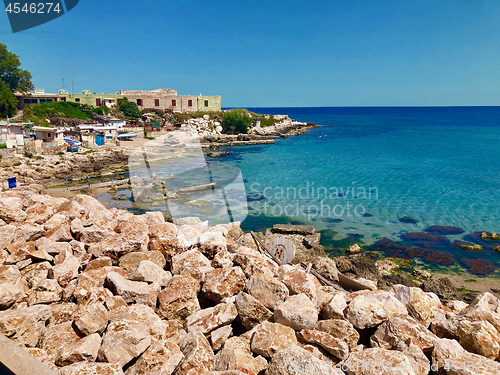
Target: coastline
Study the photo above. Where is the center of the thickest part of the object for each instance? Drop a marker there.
(239, 140)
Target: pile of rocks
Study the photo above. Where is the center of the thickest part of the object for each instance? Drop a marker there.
(70, 165)
(203, 126)
(89, 290)
(285, 126)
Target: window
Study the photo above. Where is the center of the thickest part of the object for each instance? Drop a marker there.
(98, 102)
(49, 135)
(206, 103)
(174, 103)
(190, 103)
(139, 102)
(77, 100)
(157, 102)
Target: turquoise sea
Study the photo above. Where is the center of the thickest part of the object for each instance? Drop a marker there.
(355, 180)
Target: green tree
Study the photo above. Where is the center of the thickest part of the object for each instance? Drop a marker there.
(12, 79)
(10, 72)
(236, 121)
(8, 101)
(129, 109)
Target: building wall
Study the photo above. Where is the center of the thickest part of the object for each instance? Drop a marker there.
(94, 99)
(162, 99)
(25, 100)
(214, 103)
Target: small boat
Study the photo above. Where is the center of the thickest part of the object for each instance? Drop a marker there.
(72, 149)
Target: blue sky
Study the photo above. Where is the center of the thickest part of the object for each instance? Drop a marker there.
(273, 53)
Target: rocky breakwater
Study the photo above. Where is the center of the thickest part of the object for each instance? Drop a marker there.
(284, 127)
(68, 165)
(89, 290)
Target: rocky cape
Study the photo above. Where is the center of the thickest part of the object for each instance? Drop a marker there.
(29, 169)
(88, 290)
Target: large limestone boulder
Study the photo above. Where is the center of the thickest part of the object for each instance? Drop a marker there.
(223, 282)
(253, 262)
(142, 314)
(91, 319)
(25, 325)
(479, 337)
(326, 267)
(298, 361)
(448, 357)
(420, 305)
(129, 262)
(298, 281)
(207, 320)
(9, 294)
(57, 337)
(84, 349)
(486, 307)
(124, 341)
(369, 309)
(66, 268)
(236, 358)
(341, 329)
(335, 306)
(132, 291)
(92, 369)
(250, 310)
(400, 329)
(119, 244)
(179, 299)
(377, 361)
(192, 262)
(338, 348)
(269, 338)
(219, 336)
(266, 289)
(162, 357)
(297, 312)
(150, 272)
(198, 354)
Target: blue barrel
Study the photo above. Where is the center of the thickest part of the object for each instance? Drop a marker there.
(12, 182)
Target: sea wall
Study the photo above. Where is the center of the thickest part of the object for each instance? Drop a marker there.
(88, 290)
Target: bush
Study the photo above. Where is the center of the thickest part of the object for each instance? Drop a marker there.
(236, 121)
(129, 109)
(102, 110)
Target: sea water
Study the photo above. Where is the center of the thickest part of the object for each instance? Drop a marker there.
(366, 168)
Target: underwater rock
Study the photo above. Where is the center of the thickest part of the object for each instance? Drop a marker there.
(444, 230)
(255, 197)
(426, 239)
(467, 245)
(408, 220)
(479, 266)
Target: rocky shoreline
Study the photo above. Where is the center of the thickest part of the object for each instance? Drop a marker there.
(29, 169)
(88, 290)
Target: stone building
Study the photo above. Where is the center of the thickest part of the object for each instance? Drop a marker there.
(35, 97)
(209, 103)
(168, 99)
(90, 98)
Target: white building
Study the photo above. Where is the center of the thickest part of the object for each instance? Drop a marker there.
(12, 134)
